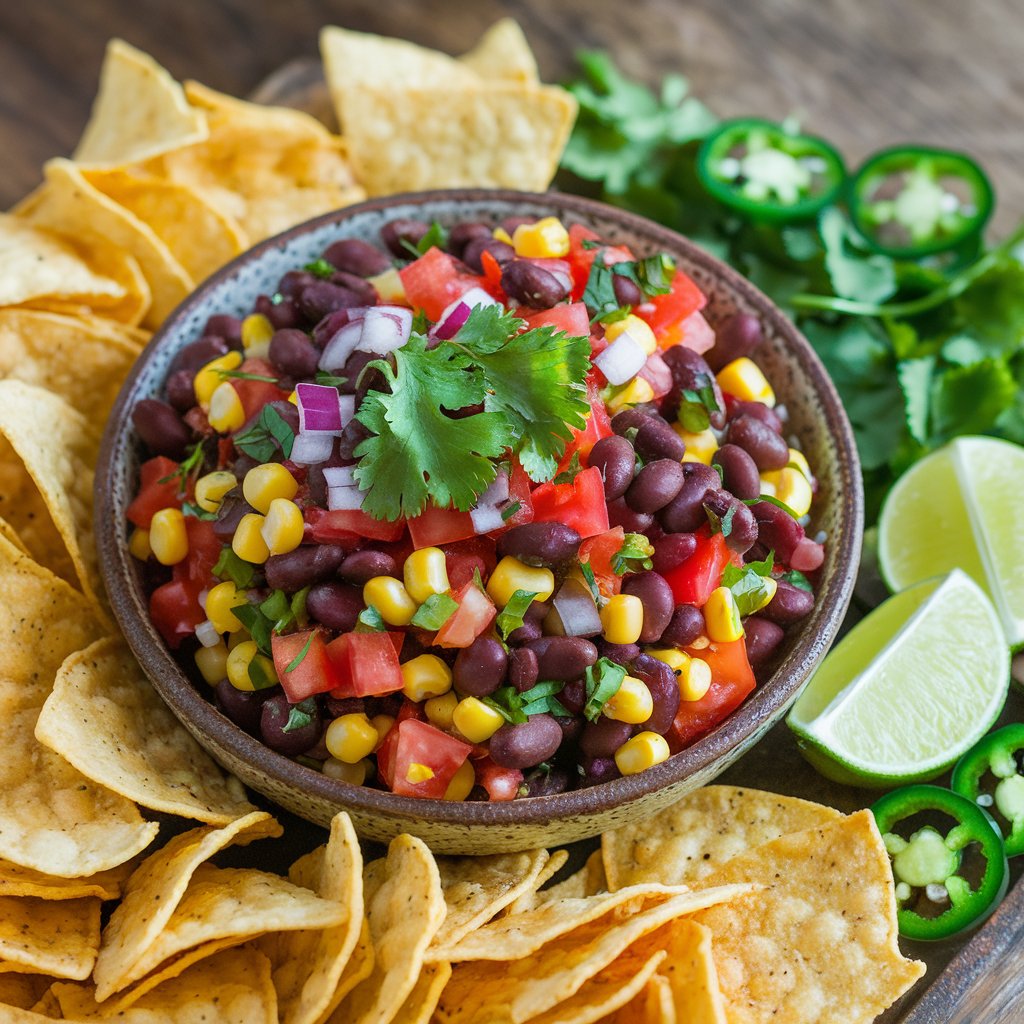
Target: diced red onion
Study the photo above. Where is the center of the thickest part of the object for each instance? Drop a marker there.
(452, 320)
(206, 634)
(697, 333)
(576, 609)
(320, 409)
(308, 449)
(656, 372)
(622, 359)
(486, 518)
(344, 499)
(807, 556)
(340, 476)
(333, 322)
(385, 328)
(341, 346)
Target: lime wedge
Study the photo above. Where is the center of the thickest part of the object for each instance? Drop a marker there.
(909, 689)
(961, 508)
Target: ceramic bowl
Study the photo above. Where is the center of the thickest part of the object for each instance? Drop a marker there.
(800, 381)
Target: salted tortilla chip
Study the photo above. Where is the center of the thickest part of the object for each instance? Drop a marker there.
(66, 202)
(59, 938)
(308, 964)
(60, 353)
(139, 111)
(695, 836)
(358, 969)
(689, 971)
(105, 717)
(200, 237)
(529, 899)
(155, 889)
(16, 880)
(10, 534)
(502, 52)
(819, 938)
(421, 1002)
(652, 1005)
(22, 990)
(405, 908)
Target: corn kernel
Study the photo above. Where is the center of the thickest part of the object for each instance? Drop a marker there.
(383, 724)
(671, 656)
(353, 774)
(743, 379)
(168, 536)
(792, 488)
(293, 397)
(212, 663)
(425, 676)
(417, 772)
(462, 782)
(283, 527)
(475, 720)
(220, 600)
(769, 587)
(636, 392)
(700, 447)
(138, 545)
(247, 669)
(207, 379)
(389, 596)
(544, 239)
(257, 331)
(264, 483)
(389, 286)
(694, 679)
(767, 485)
(722, 617)
(211, 488)
(798, 460)
(426, 573)
(641, 752)
(502, 235)
(639, 330)
(439, 710)
(632, 703)
(248, 542)
(350, 738)
(226, 413)
(511, 575)
(622, 619)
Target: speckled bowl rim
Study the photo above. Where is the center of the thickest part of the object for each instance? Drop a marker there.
(761, 709)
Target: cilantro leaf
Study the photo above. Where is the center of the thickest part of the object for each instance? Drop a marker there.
(300, 715)
(797, 579)
(602, 681)
(300, 657)
(269, 434)
(697, 404)
(510, 618)
(510, 510)
(329, 379)
(588, 574)
(260, 676)
(507, 702)
(749, 584)
(230, 567)
(435, 611)
(969, 399)
(723, 524)
(434, 235)
(370, 620)
(188, 509)
(258, 625)
(570, 472)
(633, 556)
(516, 707)
(865, 278)
(188, 468)
(320, 268)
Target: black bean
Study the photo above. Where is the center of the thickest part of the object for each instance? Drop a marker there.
(573, 696)
(603, 737)
(525, 744)
(686, 624)
(563, 657)
(656, 596)
(338, 706)
(762, 639)
(546, 782)
(280, 314)
(360, 567)
(655, 485)
(181, 392)
(531, 285)
(328, 327)
(657, 440)
(357, 257)
(777, 530)
(661, 681)
(769, 417)
(620, 514)
(501, 251)
(531, 629)
(354, 434)
(737, 521)
(356, 285)
(627, 291)
(352, 372)
(293, 353)
(597, 770)
(672, 550)
(232, 507)
(243, 707)
(621, 654)
(306, 565)
(197, 354)
(690, 372)
(615, 458)
(739, 471)
(320, 298)
(273, 719)
(767, 449)
(336, 605)
(293, 281)
(523, 668)
(685, 513)
(736, 337)
(223, 325)
(480, 668)
(462, 234)
(160, 427)
(790, 604)
(631, 419)
(403, 230)
(511, 223)
(539, 543)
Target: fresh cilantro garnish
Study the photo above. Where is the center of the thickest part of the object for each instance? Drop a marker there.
(370, 620)
(268, 434)
(652, 275)
(300, 657)
(797, 579)
(633, 556)
(329, 379)
(602, 681)
(188, 468)
(260, 676)
(420, 322)
(510, 618)
(242, 375)
(749, 584)
(599, 293)
(435, 611)
(230, 567)
(517, 707)
(588, 575)
(300, 715)
(196, 512)
(769, 498)
(720, 524)
(697, 404)
(435, 235)
(276, 614)
(510, 510)
(570, 472)
(320, 268)
(258, 625)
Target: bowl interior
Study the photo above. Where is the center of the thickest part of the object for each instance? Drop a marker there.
(800, 381)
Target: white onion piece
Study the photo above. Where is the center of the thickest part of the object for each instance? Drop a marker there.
(622, 359)
(576, 609)
(206, 634)
(312, 448)
(486, 518)
(344, 499)
(385, 328)
(341, 346)
(340, 476)
(496, 493)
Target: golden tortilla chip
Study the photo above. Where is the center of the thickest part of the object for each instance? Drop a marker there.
(308, 965)
(706, 828)
(139, 111)
(156, 888)
(10, 534)
(358, 968)
(16, 880)
(498, 136)
(200, 237)
(67, 357)
(405, 908)
(22, 990)
(502, 52)
(421, 1002)
(59, 938)
(105, 717)
(66, 202)
(652, 1005)
(528, 900)
(689, 972)
(819, 938)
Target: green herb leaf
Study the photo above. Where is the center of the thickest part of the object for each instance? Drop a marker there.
(266, 436)
(260, 676)
(188, 509)
(868, 278)
(510, 618)
(508, 703)
(797, 579)
(188, 468)
(633, 556)
(241, 375)
(510, 510)
(300, 715)
(697, 405)
(258, 625)
(602, 681)
(721, 524)
(588, 574)
(770, 498)
(230, 567)
(435, 235)
(749, 584)
(329, 379)
(370, 620)
(320, 268)
(435, 611)
(570, 472)
(298, 659)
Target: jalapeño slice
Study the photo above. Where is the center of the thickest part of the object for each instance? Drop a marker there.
(946, 881)
(769, 173)
(913, 201)
(990, 775)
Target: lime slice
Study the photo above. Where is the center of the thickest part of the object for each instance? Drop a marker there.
(961, 508)
(909, 689)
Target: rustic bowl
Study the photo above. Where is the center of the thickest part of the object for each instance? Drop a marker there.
(799, 379)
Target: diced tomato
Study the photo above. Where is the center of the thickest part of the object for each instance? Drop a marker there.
(520, 494)
(571, 318)
(501, 783)
(365, 665)
(409, 711)
(255, 394)
(154, 495)
(175, 610)
(436, 526)
(203, 550)
(579, 504)
(656, 372)
(474, 616)
(313, 674)
(464, 556)
(732, 679)
(581, 258)
(340, 526)
(598, 425)
(599, 552)
(435, 281)
(666, 313)
(420, 743)
(693, 581)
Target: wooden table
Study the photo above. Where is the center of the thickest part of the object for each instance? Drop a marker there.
(864, 74)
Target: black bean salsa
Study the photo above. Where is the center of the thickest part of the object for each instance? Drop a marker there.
(484, 513)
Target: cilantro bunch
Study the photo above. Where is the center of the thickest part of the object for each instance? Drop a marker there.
(921, 351)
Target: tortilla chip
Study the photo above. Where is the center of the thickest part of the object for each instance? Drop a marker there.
(199, 236)
(66, 202)
(16, 880)
(10, 534)
(652, 1005)
(405, 908)
(502, 52)
(65, 356)
(22, 990)
(689, 972)
(59, 938)
(139, 111)
(156, 888)
(358, 969)
(819, 938)
(529, 899)
(230, 987)
(421, 1002)
(706, 828)
(308, 965)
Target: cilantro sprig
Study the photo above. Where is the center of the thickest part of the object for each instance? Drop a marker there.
(633, 556)
(602, 681)
(268, 434)
(749, 584)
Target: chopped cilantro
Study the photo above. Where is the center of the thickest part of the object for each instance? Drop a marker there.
(329, 379)
(633, 556)
(320, 268)
(258, 625)
(230, 567)
(602, 681)
(510, 618)
(516, 707)
(268, 434)
(697, 404)
(260, 676)
(435, 611)
(570, 472)
(749, 584)
(435, 235)
(652, 275)
(242, 375)
(588, 574)
(300, 715)
(188, 468)
(478, 580)
(300, 657)
(276, 614)
(797, 579)
(510, 510)
(370, 620)
(720, 524)
(771, 499)
(188, 509)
